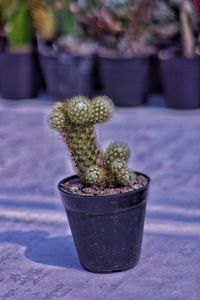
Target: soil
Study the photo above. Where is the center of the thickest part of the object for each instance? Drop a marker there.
(79, 189)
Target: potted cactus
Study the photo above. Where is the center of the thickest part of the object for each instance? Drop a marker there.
(122, 28)
(18, 65)
(180, 66)
(66, 61)
(105, 202)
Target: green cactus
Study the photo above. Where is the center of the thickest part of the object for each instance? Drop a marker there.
(125, 176)
(102, 109)
(95, 175)
(117, 151)
(19, 27)
(75, 120)
(66, 20)
(79, 110)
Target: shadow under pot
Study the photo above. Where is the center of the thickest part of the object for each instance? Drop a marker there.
(181, 82)
(107, 230)
(19, 78)
(67, 75)
(125, 80)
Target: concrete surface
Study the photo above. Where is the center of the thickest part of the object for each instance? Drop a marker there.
(37, 255)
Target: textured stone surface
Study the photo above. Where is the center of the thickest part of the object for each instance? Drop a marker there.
(37, 255)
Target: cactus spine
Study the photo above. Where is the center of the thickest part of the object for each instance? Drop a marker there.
(75, 120)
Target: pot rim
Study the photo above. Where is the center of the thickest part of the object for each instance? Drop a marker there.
(121, 58)
(180, 58)
(134, 192)
(56, 55)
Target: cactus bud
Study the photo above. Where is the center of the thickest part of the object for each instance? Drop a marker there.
(57, 117)
(125, 177)
(117, 151)
(102, 109)
(79, 110)
(94, 176)
(117, 165)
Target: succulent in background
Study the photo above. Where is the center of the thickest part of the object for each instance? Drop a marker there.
(175, 27)
(43, 18)
(114, 3)
(6, 7)
(139, 16)
(56, 22)
(121, 26)
(65, 17)
(75, 120)
(197, 6)
(187, 30)
(101, 25)
(18, 24)
(165, 25)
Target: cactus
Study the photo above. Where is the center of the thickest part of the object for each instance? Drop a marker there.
(75, 120)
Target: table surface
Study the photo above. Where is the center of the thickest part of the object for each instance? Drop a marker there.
(37, 255)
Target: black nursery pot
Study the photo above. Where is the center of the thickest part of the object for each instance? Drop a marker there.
(154, 76)
(19, 78)
(1, 69)
(125, 80)
(181, 82)
(107, 230)
(67, 75)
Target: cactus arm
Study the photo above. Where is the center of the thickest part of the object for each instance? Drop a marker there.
(116, 158)
(116, 150)
(102, 109)
(80, 138)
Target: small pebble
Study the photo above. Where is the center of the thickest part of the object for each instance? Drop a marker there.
(136, 186)
(73, 188)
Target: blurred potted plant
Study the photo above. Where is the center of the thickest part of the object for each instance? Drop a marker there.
(66, 61)
(164, 33)
(180, 68)
(121, 27)
(18, 66)
(105, 202)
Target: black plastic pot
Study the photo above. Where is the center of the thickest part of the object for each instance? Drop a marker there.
(181, 82)
(19, 78)
(154, 76)
(67, 75)
(1, 69)
(107, 230)
(125, 80)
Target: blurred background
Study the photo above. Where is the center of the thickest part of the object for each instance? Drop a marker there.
(125, 49)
